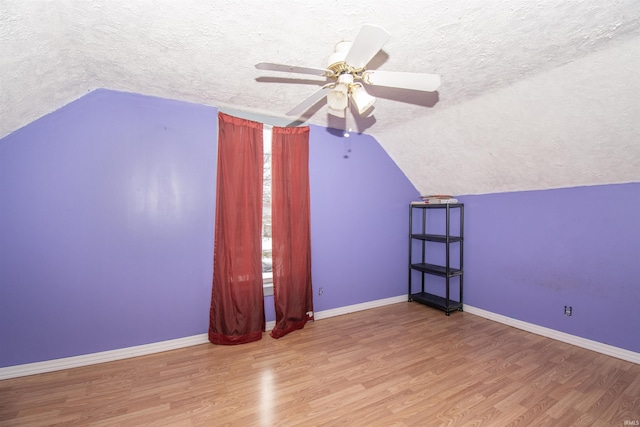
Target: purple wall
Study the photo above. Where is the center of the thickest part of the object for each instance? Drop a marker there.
(528, 254)
(106, 225)
(359, 221)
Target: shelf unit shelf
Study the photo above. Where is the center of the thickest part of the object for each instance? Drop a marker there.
(437, 270)
(435, 238)
(452, 245)
(436, 301)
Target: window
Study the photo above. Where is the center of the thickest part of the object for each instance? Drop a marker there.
(267, 258)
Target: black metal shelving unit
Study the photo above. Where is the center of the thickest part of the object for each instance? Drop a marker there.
(452, 269)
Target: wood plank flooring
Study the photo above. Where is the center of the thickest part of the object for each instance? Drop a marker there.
(400, 365)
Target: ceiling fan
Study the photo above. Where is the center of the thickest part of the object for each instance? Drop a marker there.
(348, 76)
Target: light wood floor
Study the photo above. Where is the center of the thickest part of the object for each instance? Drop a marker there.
(399, 365)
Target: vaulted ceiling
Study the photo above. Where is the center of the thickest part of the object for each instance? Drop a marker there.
(534, 95)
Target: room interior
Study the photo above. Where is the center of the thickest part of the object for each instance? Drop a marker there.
(108, 164)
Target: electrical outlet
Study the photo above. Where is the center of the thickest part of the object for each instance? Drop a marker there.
(320, 291)
(568, 310)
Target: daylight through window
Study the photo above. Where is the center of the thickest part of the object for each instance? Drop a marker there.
(267, 258)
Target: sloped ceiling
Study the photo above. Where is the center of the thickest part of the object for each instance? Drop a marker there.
(534, 95)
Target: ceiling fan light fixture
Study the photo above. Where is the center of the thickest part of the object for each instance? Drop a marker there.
(361, 99)
(338, 97)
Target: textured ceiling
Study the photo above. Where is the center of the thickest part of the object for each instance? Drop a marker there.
(534, 94)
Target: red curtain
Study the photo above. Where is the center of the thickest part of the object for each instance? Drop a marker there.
(291, 230)
(237, 299)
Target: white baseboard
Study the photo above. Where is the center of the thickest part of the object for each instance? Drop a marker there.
(596, 346)
(142, 350)
(100, 357)
(359, 307)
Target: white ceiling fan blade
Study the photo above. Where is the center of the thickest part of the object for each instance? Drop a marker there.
(292, 69)
(367, 43)
(310, 101)
(402, 80)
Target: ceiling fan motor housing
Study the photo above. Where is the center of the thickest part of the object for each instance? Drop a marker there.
(339, 53)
